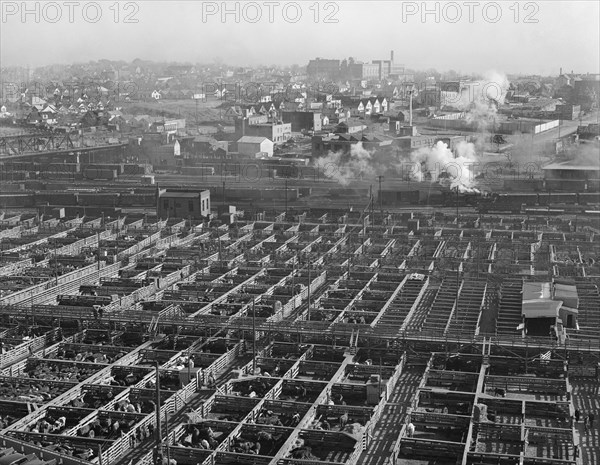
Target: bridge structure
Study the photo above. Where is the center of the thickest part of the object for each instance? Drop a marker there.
(47, 146)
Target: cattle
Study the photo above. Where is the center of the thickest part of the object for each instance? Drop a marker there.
(343, 420)
(499, 392)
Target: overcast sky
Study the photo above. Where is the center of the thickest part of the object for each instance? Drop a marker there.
(513, 37)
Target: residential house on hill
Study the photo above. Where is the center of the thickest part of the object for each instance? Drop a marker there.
(49, 115)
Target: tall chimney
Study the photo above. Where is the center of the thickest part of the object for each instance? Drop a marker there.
(560, 72)
(410, 110)
(392, 56)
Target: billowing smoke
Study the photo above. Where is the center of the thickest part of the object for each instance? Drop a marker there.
(586, 154)
(443, 167)
(480, 101)
(346, 167)
(491, 89)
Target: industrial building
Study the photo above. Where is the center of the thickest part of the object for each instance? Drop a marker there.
(572, 176)
(183, 204)
(255, 145)
(259, 126)
(302, 120)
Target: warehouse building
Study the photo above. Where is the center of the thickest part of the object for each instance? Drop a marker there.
(183, 204)
(252, 145)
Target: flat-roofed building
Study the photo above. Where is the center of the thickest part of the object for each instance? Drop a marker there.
(174, 203)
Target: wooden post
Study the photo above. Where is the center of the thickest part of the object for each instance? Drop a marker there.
(308, 314)
(253, 338)
(158, 419)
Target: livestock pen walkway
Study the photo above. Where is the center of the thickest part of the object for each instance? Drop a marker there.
(586, 398)
(387, 429)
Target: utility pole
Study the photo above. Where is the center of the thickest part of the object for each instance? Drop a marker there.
(410, 107)
(286, 200)
(55, 264)
(158, 419)
(189, 364)
(308, 314)
(253, 337)
(371, 202)
(99, 249)
(457, 287)
(457, 222)
(167, 437)
(380, 198)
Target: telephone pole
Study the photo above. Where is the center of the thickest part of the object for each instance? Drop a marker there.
(308, 314)
(371, 203)
(286, 200)
(457, 222)
(380, 198)
(158, 419)
(253, 337)
(223, 194)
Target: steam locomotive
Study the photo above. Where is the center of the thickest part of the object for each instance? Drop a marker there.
(516, 203)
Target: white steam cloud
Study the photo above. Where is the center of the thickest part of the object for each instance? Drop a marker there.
(480, 100)
(344, 167)
(440, 163)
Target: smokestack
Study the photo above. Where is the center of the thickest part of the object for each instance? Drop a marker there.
(560, 72)
(410, 110)
(392, 56)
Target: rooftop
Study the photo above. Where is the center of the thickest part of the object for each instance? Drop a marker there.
(568, 165)
(179, 195)
(252, 139)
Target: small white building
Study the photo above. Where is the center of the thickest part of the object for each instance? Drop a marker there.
(251, 145)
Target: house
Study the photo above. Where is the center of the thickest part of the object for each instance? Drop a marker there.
(383, 105)
(156, 95)
(38, 101)
(565, 80)
(253, 145)
(183, 204)
(220, 93)
(209, 147)
(34, 116)
(349, 127)
(170, 127)
(93, 118)
(49, 115)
